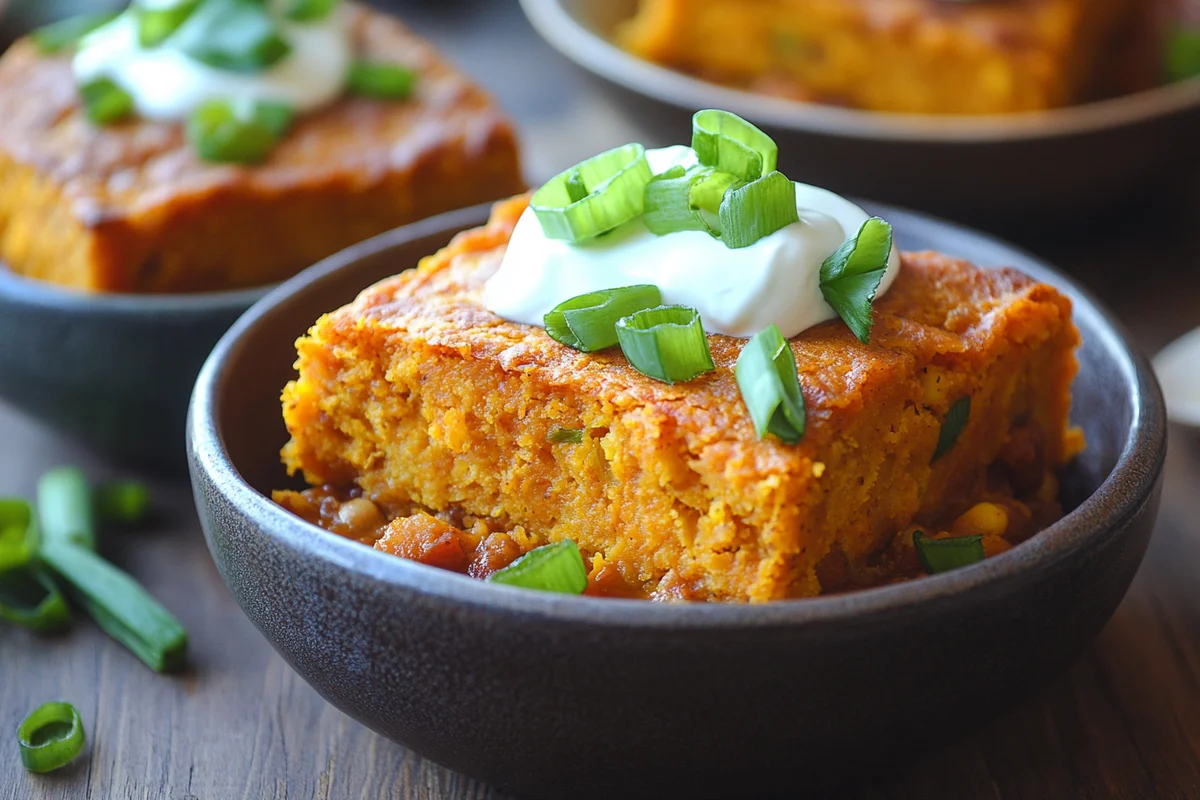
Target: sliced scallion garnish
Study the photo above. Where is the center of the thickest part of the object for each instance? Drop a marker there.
(666, 343)
(105, 102)
(58, 36)
(121, 607)
(155, 25)
(309, 10)
(730, 144)
(50, 737)
(64, 502)
(30, 598)
(124, 502)
(851, 276)
(589, 322)
(952, 426)
(1182, 56)
(758, 209)
(668, 203)
(770, 386)
(565, 435)
(232, 35)
(381, 80)
(554, 567)
(16, 517)
(221, 132)
(614, 181)
(943, 555)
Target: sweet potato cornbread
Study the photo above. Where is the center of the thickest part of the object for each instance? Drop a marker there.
(433, 429)
(917, 56)
(131, 208)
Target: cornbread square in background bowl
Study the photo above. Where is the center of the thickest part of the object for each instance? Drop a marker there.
(1054, 148)
(114, 234)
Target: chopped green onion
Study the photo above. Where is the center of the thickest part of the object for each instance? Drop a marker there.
(731, 144)
(120, 606)
(758, 209)
(65, 513)
(50, 737)
(770, 386)
(105, 102)
(16, 539)
(617, 179)
(1183, 54)
(232, 35)
(943, 555)
(310, 10)
(381, 81)
(589, 322)
(565, 435)
(155, 25)
(851, 276)
(666, 343)
(31, 599)
(952, 426)
(58, 36)
(221, 132)
(125, 502)
(554, 567)
(576, 189)
(667, 199)
(710, 187)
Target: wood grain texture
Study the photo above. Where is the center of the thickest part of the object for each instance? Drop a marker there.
(1124, 722)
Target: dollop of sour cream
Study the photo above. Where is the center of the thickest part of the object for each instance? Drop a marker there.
(167, 85)
(737, 292)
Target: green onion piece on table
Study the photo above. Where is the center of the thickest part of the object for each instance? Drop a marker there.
(155, 25)
(124, 502)
(731, 144)
(16, 536)
(770, 386)
(232, 35)
(222, 132)
(121, 607)
(1183, 54)
(381, 80)
(565, 435)
(589, 322)
(758, 209)
(615, 181)
(666, 343)
(952, 426)
(851, 276)
(31, 599)
(50, 737)
(943, 555)
(58, 36)
(64, 504)
(554, 567)
(105, 102)
(310, 10)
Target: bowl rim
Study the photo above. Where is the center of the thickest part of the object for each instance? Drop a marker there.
(572, 39)
(1119, 499)
(34, 292)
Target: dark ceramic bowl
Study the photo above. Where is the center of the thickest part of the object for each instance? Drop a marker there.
(114, 371)
(555, 696)
(1013, 170)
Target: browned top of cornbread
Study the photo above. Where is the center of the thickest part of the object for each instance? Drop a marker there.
(139, 168)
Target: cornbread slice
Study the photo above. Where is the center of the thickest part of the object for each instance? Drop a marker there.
(418, 394)
(130, 208)
(918, 56)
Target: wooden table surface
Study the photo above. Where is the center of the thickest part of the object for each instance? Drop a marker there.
(1123, 722)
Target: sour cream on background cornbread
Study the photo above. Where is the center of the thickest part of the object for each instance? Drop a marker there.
(737, 292)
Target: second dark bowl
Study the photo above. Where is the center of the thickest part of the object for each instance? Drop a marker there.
(555, 696)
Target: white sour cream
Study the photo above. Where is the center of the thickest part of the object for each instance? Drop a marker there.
(167, 85)
(737, 292)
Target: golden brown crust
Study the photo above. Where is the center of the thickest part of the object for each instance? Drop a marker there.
(417, 393)
(131, 208)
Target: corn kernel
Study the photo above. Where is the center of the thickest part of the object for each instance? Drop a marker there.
(987, 519)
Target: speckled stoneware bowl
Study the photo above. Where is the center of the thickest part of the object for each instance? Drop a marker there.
(1010, 170)
(114, 371)
(554, 696)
